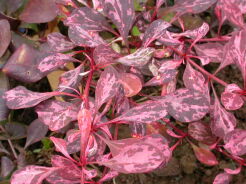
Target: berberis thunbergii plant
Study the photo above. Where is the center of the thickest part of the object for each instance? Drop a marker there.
(120, 49)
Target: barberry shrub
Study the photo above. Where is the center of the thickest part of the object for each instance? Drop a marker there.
(134, 63)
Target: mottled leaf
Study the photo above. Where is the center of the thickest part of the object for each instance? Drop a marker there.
(7, 166)
(205, 156)
(107, 86)
(20, 97)
(163, 78)
(110, 175)
(122, 14)
(88, 19)
(39, 11)
(131, 83)
(35, 132)
(139, 58)
(31, 174)
(201, 132)
(187, 105)
(61, 146)
(222, 122)
(193, 79)
(5, 36)
(169, 65)
(222, 178)
(81, 37)
(235, 142)
(59, 42)
(104, 54)
(154, 31)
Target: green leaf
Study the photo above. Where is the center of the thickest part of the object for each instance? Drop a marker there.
(135, 31)
(47, 143)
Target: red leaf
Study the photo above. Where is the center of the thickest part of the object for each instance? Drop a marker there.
(131, 83)
(122, 14)
(20, 97)
(201, 132)
(205, 156)
(57, 114)
(31, 174)
(155, 30)
(222, 178)
(107, 86)
(139, 58)
(5, 36)
(39, 11)
(235, 142)
(35, 132)
(59, 42)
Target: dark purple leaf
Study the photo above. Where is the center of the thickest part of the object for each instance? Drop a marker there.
(57, 114)
(59, 42)
(132, 85)
(35, 132)
(2, 149)
(122, 14)
(222, 122)
(31, 174)
(139, 58)
(235, 142)
(155, 30)
(193, 79)
(71, 79)
(15, 130)
(7, 166)
(187, 105)
(88, 19)
(131, 159)
(39, 11)
(22, 65)
(230, 99)
(104, 54)
(201, 132)
(5, 36)
(81, 37)
(107, 86)
(20, 97)
(222, 178)
(54, 61)
(146, 113)
(192, 6)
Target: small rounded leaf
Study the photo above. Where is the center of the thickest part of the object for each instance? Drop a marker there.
(131, 84)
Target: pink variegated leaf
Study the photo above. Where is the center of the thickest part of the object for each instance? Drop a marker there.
(71, 79)
(201, 132)
(81, 37)
(163, 78)
(54, 61)
(85, 119)
(205, 156)
(56, 114)
(104, 54)
(131, 83)
(122, 14)
(146, 112)
(169, 65)
(60, 146)
(159, 3)
(88, 19)
(107, 86)
(5, 36)
(111, 174)
(22, 65)
(240, 4)
(235, 142)
(222, 122)
(92, 173)
(35, 132)
(39, 11)
(131, 159)
(212, 52)
(168, 39)
(139, 58)
(137, 129)
(168, 88)
(59, 42)
(222, 178)
(192, 6)
(233, 171)
(193, 79)
(231, 101)
(31, 174)
(155, 30)
(20, 97)
(187, 105)
(60, 161)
